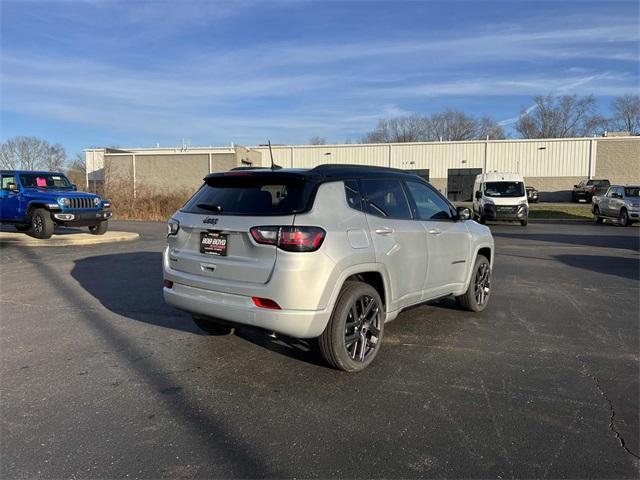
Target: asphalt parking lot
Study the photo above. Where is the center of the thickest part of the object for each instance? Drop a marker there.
(101, 379)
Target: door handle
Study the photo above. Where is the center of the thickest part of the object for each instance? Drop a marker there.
(384, 231)
(435, 231)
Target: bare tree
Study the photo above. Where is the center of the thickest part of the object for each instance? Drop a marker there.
(489, 128)
(626, 114)
(317, 140)
(401, 129)
(76, 171)
(449, 125)
(56, 157)
(31, 153)
(562, 117)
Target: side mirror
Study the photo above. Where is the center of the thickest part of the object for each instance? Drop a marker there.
(464, 213)
(12, 187)
(478, 195)
(74, 186)
(575, 186)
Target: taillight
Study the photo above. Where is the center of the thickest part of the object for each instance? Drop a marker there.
(290, 239)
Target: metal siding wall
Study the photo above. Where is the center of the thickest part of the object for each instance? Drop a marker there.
(281, 156)
(557, 158)
(377, 155)
(438, 157)
(564, 158)
(539, 158)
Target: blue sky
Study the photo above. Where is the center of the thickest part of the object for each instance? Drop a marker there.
(138, 73)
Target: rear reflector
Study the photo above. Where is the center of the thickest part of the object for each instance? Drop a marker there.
(168, 284)
(290, 239)
(265, 303)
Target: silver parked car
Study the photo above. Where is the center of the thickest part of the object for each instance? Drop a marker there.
(621, 202)
(332, 252)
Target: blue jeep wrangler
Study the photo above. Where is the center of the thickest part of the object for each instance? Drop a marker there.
(37, 201)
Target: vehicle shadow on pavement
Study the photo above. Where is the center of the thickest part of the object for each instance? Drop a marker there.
(624, 242)
(610, 265)
(298, 349)
(130, 285)
(128, 278)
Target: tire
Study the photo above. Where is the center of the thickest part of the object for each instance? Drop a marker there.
(624, 218)
(99, 229)
(23, 228)
(524, 222)
(350, 342)
(596, 215)
(211, 326)
(41, 224)
(474, 299)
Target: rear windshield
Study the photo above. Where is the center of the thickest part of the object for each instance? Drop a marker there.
(632, 191)
(504, 189)
(250, 195)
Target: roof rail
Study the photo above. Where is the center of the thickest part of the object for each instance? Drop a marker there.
(249, 168)
(347, 166)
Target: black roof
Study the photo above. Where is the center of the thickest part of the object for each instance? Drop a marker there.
(320, 173)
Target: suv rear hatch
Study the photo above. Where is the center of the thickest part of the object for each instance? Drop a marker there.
(214, 239)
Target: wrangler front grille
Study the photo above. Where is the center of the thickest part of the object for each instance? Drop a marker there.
(81, 203)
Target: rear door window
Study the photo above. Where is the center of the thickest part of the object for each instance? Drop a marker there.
(7, 180)
(428, 204)
(385, 198)
(250, 195)
(352, 192)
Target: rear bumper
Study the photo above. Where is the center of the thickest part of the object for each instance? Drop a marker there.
(240, 309)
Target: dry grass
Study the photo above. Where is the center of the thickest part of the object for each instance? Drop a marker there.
(568, 211)
(148, 204)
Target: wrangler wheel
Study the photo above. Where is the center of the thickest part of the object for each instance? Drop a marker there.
(99, 229)
(41, 223)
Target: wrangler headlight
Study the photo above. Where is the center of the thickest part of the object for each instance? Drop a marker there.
(64, 202)
(96, 201)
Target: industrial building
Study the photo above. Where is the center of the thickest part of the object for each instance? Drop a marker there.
(553, 166)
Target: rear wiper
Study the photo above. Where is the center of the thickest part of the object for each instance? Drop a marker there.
(211, 208)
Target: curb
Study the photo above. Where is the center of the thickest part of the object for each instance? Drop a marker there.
(66, 239)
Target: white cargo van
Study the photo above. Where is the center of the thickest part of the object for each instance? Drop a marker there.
(500, 196)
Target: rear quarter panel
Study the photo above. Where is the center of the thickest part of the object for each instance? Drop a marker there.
(348, 242)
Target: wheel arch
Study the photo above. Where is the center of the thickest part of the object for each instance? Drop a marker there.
(485, 249)
(36, 204)
(372, 278)
(373, 274)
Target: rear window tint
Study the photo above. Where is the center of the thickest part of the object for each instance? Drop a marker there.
(352, 192)
(250, 195)
(385, 198)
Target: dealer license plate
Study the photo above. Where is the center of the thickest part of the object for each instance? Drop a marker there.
(213, 243)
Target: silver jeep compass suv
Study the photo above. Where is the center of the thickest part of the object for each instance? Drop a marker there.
(331, 252)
